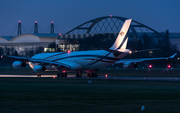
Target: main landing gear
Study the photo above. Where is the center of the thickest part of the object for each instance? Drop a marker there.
(61, 74)
(38, 74)
(92, 75)
(79, 74)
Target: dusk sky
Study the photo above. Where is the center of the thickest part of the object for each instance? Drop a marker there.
(160, 15)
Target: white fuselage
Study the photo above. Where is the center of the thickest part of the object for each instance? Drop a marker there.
(86, 59)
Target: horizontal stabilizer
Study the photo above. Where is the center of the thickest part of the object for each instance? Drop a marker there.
(143, 50)
(173, 55)
(117, 51)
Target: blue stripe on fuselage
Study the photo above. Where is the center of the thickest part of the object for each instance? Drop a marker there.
(97, 56)
(50, 57)
(100, 59)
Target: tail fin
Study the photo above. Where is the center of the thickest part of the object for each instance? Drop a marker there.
(121, 40)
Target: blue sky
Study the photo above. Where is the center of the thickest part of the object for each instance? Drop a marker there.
(67, 14)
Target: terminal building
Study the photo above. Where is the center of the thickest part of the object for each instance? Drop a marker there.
(108, 26)
(23, 43)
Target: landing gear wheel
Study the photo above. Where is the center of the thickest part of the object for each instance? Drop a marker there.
(65, 74)
(95, 75)
(92, 74)
(61, 74)
(77, 74)
(88, 75)
(39, 75)
(80, 74)
(58, 74)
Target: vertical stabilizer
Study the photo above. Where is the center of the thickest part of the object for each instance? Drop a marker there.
(121, 40)
(124, 44)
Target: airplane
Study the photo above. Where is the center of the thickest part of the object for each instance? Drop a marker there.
(78, 61)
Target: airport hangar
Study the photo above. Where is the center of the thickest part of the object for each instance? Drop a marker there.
(102, 25)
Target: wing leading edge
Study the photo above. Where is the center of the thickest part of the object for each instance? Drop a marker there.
(69, 65)
(143, 59)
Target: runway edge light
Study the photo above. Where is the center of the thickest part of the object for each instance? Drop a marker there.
(150, 66)
(169, 66)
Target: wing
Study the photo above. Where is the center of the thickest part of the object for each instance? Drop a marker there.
(69, 65)
(143, 59)
(16, 57)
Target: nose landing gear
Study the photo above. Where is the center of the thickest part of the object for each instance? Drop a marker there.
(38, 74)
(61, 74)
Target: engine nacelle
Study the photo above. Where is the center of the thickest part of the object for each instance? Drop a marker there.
(18, 64)
(39, 68)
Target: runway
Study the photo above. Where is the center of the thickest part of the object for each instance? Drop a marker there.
(104, 77)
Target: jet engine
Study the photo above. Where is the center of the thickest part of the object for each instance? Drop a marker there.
(39, 68)
(18, 64)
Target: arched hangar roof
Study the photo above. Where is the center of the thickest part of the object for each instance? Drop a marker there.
(110, 24)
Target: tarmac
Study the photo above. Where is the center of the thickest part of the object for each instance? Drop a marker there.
(104, 77)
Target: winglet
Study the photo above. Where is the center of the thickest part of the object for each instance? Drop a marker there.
(173, 55)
